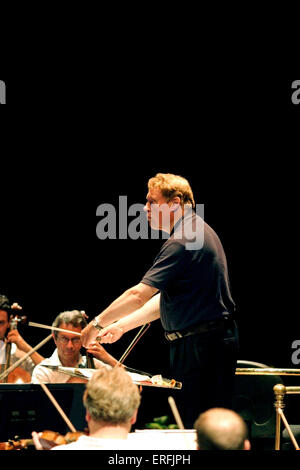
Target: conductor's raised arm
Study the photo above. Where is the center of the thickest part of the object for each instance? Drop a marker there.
(130, 301)
(146, 314)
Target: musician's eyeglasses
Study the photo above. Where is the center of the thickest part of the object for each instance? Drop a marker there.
(65, 340)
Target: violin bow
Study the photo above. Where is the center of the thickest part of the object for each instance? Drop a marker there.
(175, 412)
(52, 328)
(140, 333)
(179, 421)
(57, 406)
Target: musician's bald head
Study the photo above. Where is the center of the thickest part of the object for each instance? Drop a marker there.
(221, 429)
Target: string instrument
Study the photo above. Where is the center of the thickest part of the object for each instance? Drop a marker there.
(90, 361)
(48, 439)
(18, 374)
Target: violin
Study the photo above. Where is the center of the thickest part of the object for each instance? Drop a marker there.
(48, 439)
(19, 374)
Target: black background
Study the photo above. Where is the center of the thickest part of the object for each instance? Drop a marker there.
(73, 141)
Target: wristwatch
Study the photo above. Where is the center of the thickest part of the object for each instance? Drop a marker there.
(96, 324)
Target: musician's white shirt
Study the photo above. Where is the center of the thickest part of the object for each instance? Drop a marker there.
(95, 443)
(45, 375)
(134, 441)
(16, 354)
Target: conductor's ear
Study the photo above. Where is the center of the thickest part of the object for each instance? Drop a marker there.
(175, 204)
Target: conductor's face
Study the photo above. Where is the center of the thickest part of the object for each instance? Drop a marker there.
(68, 345)
(157, 208)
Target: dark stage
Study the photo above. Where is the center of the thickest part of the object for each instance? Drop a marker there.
(239, 154)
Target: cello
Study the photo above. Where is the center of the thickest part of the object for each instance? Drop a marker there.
(19, 374)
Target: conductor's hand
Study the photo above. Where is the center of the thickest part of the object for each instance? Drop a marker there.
(88, 334)
(110, 334)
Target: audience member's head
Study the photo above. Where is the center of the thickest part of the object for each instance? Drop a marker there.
(221, 429)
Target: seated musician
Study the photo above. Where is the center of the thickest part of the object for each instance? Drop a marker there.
(67, 352)
(111, 401)
(19, 346)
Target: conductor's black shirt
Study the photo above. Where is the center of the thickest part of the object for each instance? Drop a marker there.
(192, 276)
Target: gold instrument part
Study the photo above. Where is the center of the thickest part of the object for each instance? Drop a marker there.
(266, 371)
(280, 391)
